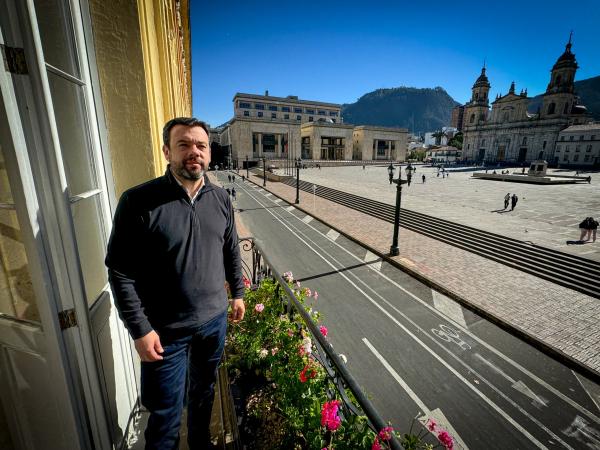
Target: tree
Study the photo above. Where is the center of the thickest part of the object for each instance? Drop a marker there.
(438, 135)
(457, 141)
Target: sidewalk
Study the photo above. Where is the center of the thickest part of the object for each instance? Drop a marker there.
(554, 318)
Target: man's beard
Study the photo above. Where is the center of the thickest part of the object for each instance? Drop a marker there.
(188, 175)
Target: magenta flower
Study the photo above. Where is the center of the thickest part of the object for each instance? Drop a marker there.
(323, 330)
(386, 433)
(247, 282)
(431, 425)
(259, 307)
(446, 440)
(376, 444)
(329, 415)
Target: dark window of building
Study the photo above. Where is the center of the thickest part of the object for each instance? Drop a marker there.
(568, 148)
(482, 142)
(581, 137)
(472, 118)
(247, 113)
(309, 111)
(524, 141)
(571, 138)
(244, 105)
(576, 158)
(566, 157)
(333, 113)
(260, 114)
(476, 96)
(587, 158)
(268, 142)
(298, 117)
(272, 108)
(558, 148)
(286, 116)
(322, 113)
(310, 119)
(298, 110)
(566, 109)
(273, 116)
(481, 117)
(332, 148)
(544, 145)
(551, 108)
(305, 147)
(589, 148)
(259, 106)
(562, 138)
(593, 137)
(468, 146)
(285, 109)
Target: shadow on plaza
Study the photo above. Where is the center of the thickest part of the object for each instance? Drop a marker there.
(501, 211)
(254, 209)
(333, 272)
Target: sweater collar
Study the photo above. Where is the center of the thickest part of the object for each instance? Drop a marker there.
(172, 181)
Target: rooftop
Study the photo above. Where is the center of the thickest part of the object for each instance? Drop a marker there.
(288, 99)
(582, 127)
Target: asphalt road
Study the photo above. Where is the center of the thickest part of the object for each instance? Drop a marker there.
(415, 351)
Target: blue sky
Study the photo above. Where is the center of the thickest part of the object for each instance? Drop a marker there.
(336, 51)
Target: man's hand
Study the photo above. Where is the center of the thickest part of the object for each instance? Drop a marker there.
(237, 310)
(148, 347)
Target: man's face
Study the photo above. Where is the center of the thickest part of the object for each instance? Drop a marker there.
(188, 152)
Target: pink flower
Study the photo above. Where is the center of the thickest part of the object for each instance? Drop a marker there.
(274, 351)
(307, 292)
(307, 373)
(323, 330)
(247, 282)
(290, 333)
(259, 307)
(431, 424)
(446, 440)
(288, 277)
(298, 284)
(376, 444)
(329, 415)
(316, 295)
(386, 433)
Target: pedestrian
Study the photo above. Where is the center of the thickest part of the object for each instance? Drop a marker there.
(363, 167)
(589, 228)
(513, 201)
(233, 193)
(423, 178)
(233, 178)
(168, 274)
(228, 191)
(523, 171)
(494, 172)
(229, 178)
(506, 200)
(243, 178)
(438, 174)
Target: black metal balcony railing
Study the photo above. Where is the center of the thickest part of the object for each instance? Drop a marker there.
(256, 268)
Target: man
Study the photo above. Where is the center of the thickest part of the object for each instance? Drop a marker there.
(506, 200)
(513, 201)
(172, 247)
(423, 178)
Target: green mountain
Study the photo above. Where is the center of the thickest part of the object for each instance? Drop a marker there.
(419, 110)
(589, 96)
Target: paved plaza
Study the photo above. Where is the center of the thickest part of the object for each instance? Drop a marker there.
(566, 321)
(546, 215)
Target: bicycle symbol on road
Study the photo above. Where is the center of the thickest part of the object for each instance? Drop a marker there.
(449, 334)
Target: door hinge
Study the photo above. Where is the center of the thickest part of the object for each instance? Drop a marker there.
(67, 319)
(14, 59)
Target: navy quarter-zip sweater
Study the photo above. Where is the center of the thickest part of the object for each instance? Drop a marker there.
(168, 258)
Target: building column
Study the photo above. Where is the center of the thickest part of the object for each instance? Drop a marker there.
(260, 149)
(279, 151)
(389, 150)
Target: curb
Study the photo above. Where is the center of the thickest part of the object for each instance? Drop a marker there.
(515, 331)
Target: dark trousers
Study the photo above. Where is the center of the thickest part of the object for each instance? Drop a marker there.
(189, 366)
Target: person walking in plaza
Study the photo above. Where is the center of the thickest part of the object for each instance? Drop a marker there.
(233, 193)
(423, 178)
(233, 178)
(513, 201)
(172, 247)
(506, 200)
(589, 228)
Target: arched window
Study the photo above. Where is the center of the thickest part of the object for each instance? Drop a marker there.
(472, 118)
(551, 108)
(476, 96)
(524, 141)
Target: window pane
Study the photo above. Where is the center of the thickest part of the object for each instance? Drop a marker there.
(56, 32)
(16, 290)
(69, 110)
(91, 245)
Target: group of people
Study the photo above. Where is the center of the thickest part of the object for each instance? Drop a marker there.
(589, 228)
(510, 199)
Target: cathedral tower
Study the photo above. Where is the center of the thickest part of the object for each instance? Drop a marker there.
(560, 98)
(476, 110)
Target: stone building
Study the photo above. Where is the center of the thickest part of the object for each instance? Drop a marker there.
(457, 118)
(509, 133)
(579, 145)
(287, 127)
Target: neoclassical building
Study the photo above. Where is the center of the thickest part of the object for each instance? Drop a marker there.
(508, 132)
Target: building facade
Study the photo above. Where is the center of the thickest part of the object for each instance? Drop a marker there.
(509, 133)
(458, 114)
(579, 145)
(85, 91)
(289, 128)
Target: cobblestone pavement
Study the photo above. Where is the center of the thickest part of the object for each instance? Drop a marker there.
(565, 320)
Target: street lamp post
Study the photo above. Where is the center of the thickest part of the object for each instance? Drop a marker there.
(394, 249)
(264, 171)
(247, 168)
(298, 164)
(409, 173)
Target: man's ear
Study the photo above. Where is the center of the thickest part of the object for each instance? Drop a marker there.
(166, 152)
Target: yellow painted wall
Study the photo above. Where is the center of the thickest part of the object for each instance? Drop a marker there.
(144, 66)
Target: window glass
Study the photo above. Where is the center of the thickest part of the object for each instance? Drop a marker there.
(272, 108)
(91, 245)
(298, 110)
(17, 298)
(69, 109)
(56, 33)
(285, 109)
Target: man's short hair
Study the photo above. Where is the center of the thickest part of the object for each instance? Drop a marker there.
(187, 121)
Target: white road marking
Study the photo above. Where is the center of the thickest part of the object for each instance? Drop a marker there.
(290, 208)
(580, 429)
(587, 385)
(436, 414)
(448, 307)
(307, 219)
(371, 257)
(332, 234)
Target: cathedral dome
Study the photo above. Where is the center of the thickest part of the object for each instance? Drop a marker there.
(482, 80)
(567, 59)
